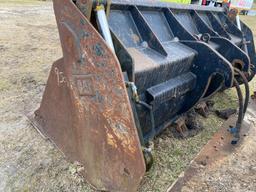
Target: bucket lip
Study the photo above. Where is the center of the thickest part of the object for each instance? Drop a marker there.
(162, 4)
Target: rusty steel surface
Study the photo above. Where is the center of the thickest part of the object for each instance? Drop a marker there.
(202, 109)
(85, 109)
(181, 127)
(85, 6)
(213, 153)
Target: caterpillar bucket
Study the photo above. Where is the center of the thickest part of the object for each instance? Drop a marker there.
(129, 70)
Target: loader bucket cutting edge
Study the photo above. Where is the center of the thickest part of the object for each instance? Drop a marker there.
(129, 70)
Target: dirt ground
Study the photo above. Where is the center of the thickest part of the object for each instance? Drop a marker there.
(221, 166)
(29, 44)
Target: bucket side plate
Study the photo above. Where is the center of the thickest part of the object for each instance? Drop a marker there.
(85, 108)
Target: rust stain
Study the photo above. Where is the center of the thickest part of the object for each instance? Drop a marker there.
(111, 140)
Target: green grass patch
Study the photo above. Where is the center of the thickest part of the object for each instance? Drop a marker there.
(4, 84)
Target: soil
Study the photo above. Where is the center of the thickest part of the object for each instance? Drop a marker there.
(29, 44)
(221, 166)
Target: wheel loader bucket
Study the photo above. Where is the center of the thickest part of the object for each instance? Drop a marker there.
(129, 70)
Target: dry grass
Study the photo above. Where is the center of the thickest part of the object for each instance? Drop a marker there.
(19, 2)
(173, 155)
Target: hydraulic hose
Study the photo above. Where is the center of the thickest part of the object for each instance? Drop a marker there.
(247, 88)
(149, 107)
(144, 104)
(252, 73)
(236, 130)
(103, 25)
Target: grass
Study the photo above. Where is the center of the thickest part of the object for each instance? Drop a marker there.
(172, 155)
(20, 2)
(4, 84)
